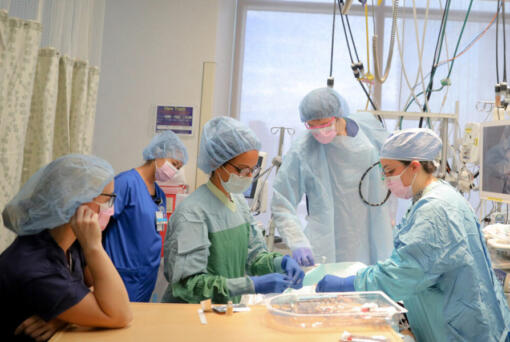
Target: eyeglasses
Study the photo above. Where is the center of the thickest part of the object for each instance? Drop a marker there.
(245, 172)
(111, 200)
(327, 124)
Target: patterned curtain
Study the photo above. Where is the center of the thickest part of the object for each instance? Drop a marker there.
(61, 140)
(41, 124)
(19, 44)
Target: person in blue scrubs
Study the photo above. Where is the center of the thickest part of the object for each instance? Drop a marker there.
(439, 266)
(132, 238)
(326, 164)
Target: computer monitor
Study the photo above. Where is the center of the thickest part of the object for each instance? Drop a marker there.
(254, 187)
(495, 161)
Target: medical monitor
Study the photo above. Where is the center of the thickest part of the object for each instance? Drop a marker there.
(495, 161)
(254, 187)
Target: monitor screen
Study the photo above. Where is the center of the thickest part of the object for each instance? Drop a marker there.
(495, 161)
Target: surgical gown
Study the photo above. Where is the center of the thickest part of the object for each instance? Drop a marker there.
(131, 238)
(340, 226)
(441, 269)
(211, 246)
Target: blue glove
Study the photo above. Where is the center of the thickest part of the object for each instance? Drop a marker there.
(271, 283)
(331, 283)
(291, 267)
(303, 256)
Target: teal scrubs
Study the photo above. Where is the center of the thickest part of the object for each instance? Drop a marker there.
(441, 269)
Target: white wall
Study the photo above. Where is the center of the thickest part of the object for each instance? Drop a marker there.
(153, 52)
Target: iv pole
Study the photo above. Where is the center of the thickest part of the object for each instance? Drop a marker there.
(275, 164)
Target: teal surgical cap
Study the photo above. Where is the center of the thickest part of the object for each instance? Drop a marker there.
(322, 103)
(53, 194)
(166, 145)
(223, 139)
(412, 144)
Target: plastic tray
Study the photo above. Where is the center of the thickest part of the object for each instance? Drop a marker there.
(333, 310)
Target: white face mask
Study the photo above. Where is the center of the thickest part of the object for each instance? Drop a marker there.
(235, 183)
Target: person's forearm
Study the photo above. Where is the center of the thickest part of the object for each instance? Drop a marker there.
(109, 289)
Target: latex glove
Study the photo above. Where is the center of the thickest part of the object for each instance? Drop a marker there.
(291, 267)
(303, 256)
(271, 283)
(331, 283)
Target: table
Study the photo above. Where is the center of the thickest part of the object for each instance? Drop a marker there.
(180, 322)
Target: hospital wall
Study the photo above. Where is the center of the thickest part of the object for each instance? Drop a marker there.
(153, 54)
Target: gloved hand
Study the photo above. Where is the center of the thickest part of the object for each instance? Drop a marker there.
(291, 267)
(331, 283)
(303, 256)
(271, 283)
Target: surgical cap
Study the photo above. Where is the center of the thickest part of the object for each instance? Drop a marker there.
(412, 144)
(166, 145)
(322, 103)
(53, 194)
(223, 139)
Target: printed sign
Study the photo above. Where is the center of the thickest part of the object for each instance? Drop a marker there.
(177, 119)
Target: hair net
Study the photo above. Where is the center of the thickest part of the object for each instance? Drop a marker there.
(412, 144)
(166, 145)
(51, 196)
(322, 103)
(223, 139)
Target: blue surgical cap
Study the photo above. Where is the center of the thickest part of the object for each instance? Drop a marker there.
(322, 103)
(53, 194)
(412, 144)
(166, 145)
(223, 139)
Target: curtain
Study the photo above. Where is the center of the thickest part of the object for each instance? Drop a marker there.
(41, 124)
(19, 44)
(61, 140)
(78, 118)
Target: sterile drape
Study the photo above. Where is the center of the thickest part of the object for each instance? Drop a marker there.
(19, 44)
(41, 124)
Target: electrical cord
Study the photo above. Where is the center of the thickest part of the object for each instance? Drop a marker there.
(361, 194)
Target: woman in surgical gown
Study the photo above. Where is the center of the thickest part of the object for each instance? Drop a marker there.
(439, 266)
(212, 249)
(132, 238)
(326, 164)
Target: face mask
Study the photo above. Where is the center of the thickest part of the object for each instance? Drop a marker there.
(105, 212)
(325, 135)
(394, 183)
(165, 172)
(236, 184)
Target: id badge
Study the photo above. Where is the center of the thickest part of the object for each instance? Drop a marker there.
(161, 220)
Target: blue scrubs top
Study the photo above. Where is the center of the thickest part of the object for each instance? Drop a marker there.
(131, 238)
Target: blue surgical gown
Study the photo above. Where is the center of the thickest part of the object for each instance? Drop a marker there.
(131, 238)
(441, 269)
(340, 226)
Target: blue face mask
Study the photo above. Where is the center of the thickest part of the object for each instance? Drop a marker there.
(235, 183)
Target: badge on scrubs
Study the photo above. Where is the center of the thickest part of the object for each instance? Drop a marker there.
(161, 220)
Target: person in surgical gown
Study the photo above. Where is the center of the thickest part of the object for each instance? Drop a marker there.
(439, 266)
(326, 164)
(212, 248)
(132, 238)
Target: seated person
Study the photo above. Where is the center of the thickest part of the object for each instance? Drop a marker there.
(47, 272)
(440, 266)
(212, 248)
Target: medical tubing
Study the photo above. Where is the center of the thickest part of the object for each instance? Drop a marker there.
(377, 73)
(497, 42)
(352, 37)
(332, 40)
(361, 194)
(437, 55)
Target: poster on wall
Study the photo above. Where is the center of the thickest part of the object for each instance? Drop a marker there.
(174, 118)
